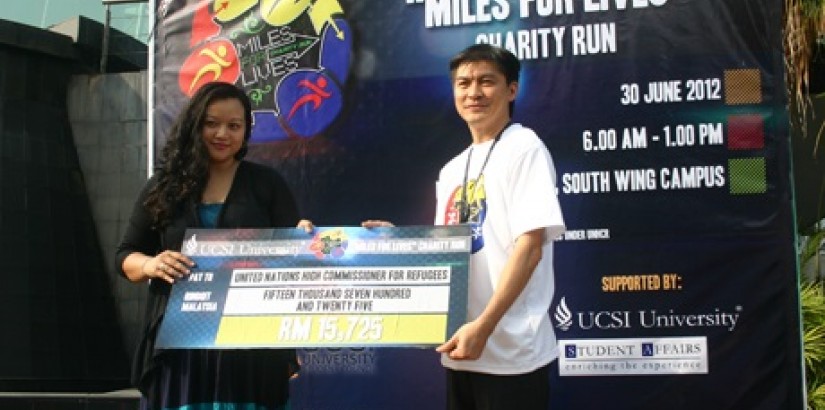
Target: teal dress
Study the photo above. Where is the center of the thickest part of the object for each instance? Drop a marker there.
(209, 214)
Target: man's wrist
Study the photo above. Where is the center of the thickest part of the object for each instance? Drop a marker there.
(486, 325)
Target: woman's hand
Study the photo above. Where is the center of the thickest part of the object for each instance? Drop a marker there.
(170, 266)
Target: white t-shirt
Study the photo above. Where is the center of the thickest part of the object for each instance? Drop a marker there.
(517, 194)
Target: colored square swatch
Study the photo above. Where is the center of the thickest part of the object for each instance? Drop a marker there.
(743, 87)
(747, 176)
(746, 132)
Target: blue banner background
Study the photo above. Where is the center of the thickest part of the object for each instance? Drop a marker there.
(733, 251)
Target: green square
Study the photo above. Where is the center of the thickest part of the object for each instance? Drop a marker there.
(747, 176)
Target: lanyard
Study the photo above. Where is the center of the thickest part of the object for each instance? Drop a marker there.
(464, 211)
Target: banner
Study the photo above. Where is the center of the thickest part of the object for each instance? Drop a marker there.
(281, 288)
(667, 123)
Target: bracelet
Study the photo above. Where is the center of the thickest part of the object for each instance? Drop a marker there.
(145, 261)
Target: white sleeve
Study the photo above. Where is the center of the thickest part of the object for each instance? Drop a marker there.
(440, 203)
(533, 203)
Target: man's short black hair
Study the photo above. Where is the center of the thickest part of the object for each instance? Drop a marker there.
(506, 62)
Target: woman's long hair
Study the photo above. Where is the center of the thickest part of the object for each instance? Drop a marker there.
(183, 166)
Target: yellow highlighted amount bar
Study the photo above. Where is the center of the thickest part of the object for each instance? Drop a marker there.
(331, 330)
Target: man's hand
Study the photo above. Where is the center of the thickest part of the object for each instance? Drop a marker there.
(306, 225)
(376, 223)
(467, 343)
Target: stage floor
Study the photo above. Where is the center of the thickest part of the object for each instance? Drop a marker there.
(127, 399)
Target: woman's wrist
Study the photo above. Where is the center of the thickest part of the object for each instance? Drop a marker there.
(143, 266)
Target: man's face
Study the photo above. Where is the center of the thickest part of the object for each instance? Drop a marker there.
(482, 95)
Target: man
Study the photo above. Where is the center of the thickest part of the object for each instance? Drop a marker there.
(503, 184)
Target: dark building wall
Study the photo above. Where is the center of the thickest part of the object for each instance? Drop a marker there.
(59, 317)
(108, 117)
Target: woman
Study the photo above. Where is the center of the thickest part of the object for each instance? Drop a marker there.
(202, 182)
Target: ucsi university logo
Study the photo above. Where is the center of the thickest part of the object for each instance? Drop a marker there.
(566, 319)
(604, 320)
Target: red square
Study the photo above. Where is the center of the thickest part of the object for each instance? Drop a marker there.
(746, 131)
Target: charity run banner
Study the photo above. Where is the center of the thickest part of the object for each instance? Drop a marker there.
(667, 122)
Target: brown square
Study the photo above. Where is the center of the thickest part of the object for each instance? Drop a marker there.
(743, 86)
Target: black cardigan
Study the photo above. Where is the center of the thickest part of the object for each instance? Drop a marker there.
(258, 198)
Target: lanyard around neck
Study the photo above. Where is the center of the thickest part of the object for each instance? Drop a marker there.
(464, 211)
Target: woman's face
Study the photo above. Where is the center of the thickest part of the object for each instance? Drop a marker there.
(223, 130)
